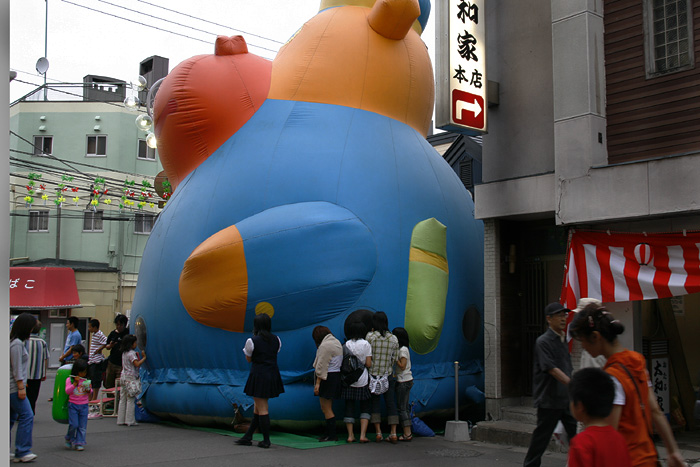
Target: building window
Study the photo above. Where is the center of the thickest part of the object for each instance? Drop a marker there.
(669, 33)
(146, 152)
(62, 313)
(96, 145)
(39, 221)
(92, 221)
(144, 223)
(43, 145)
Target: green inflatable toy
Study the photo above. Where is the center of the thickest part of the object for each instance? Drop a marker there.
(59, 409)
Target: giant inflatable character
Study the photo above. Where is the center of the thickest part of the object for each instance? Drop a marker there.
(305, 189)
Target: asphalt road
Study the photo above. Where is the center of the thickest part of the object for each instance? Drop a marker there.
(158, 445)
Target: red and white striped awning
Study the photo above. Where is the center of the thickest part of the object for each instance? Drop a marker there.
(619, 267)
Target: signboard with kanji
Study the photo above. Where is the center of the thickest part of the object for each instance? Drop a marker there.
(461, 104)
(660, 376)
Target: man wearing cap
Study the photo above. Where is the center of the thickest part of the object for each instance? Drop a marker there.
(551, 375)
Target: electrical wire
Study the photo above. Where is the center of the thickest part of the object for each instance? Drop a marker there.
(48, 155)
(35, 74)
(210, 22)
(175, 22)
(55, 89)
(150, 25)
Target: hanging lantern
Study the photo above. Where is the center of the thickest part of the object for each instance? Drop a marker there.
(132, 103)
(151, 141)
(139, 83)
(144, 122)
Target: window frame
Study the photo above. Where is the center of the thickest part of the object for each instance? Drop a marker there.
(97, 145)
(142, 143)
(36, 146)
(41, 216)
(95, 217)
(649, 47)
(139, 221)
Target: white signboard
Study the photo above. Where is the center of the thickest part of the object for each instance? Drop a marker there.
(659, 382)
(462, 100)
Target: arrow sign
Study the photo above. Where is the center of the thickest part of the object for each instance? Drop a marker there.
(467, 109)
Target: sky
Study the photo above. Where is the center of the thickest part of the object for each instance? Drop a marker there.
(86, 37)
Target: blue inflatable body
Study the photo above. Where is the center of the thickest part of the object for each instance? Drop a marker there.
(325, 199)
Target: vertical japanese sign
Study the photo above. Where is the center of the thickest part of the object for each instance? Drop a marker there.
(659, 383)
(462, 100)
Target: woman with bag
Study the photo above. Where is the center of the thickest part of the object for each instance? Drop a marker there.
(20, 409)
(385, 351)
(130, 381)
(328, 385)
(359, 390)
(264, 381)
(635, 407)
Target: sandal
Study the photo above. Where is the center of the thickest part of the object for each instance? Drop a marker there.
(392, 439)
(350, 440)
(363, 441)
(379, 438)
(406, 438)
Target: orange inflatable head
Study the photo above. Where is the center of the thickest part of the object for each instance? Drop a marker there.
(365, 58)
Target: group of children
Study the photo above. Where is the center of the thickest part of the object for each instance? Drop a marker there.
(79, 390)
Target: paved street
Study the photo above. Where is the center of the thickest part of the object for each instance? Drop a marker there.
(157, 444)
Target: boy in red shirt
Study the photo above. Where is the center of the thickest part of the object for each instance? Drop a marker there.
(591, 392)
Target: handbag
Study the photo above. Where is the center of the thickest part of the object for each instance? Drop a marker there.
(378, 384)
(132, 387)
(641, 406)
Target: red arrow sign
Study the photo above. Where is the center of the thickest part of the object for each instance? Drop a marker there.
(468, 109)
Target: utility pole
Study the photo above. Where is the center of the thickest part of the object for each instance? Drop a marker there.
(46, 47)
(58, 233)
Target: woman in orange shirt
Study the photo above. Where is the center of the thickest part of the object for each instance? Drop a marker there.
(635, 407)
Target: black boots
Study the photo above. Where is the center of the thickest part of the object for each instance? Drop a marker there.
(265, 430)
(330, 431)
(247, 439)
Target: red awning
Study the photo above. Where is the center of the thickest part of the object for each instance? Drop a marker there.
(38, 288)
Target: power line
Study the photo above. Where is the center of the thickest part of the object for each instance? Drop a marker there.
(150, 25)
(175, 22)
(115, 187)
(48, 155)
(34, 74)
(56, 89)
(210, 22)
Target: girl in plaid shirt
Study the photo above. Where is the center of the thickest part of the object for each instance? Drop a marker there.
(385, 350)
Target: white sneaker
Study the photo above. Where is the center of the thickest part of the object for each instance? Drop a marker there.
(28, 458)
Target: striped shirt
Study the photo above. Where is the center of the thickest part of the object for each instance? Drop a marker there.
(97, 340)
(38, 356)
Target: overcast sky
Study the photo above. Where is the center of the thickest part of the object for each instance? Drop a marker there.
(84, 39)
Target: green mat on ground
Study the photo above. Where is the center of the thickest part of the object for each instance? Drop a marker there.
(279, 438)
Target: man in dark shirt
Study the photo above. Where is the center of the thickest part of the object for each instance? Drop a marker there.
(114, 342)
(551, 374)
